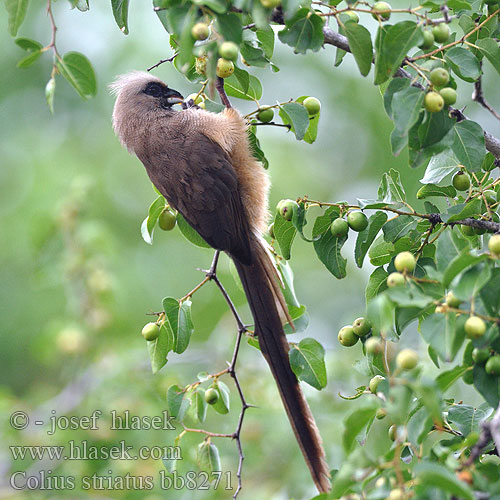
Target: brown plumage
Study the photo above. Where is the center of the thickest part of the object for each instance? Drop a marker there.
(202, 164)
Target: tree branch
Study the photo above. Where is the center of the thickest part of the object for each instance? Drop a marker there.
(478, 96)
(340, 41)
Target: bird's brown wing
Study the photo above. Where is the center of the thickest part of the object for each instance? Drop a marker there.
(196, 177)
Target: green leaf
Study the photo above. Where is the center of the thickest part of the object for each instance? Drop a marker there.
(229, 26)
(223, 404)
(257, 152)
(489, 293)
(449, 246)
(360, 43)
(120, 13)
(296, 115)
(177, 403)
(16, 9)
(78, 72)
(490, 49)
(406, 107)
(377, 283)
(356, 422)
(428, 190)
(208, 457)
(201, 404)
(184, 59)
(432, 474)
(186, 327)
(218, 6)
(446, 379)
(28, 44)
(159, 348)
(29, 59)
(439, 331)
(468, 144)
(380, 311)
(312, 131)
(50, 90)
(439, 167)
(396, 43)
(459, 264)
(381, 69)
(368, 235)
(472, 281)
(149, 223)
(398, 227)
(328, 246)
(171, 307)
(308, 363)
(391, 190)
(190, 234)
(266, 39)
(487, 385)
(462, 211)
(380, 252)
(235, 85)
(303, 32)
(463, 63)
(254, 56)
(284, 232)
(466, 418)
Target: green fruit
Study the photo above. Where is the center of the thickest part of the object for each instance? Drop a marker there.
(381, 10)
(211, 396)
(467, 230)
(347, 337)
(439, 77)
(407, 359)
(361, 327)
(468, 377)
(405, 261)
(449, 95)
(374, 382)
(224, 68)
(200, 31)
(433, 102)
(373, 346)
(339, 228)
(229, 50)
(441, 32)
(353, 16)
(491, 196)
(492, 366)
(392, 432)
(494, 244)
(195, 97)
(265, 114)
(151, 331)
(312, 105)
(166, 220)
(480, 355)
(357, 221)
(428, 39)
(451, 300)
(461, 181)
(270, 4)
(475, 327)
(395, 279)
(286, 209)
(381, 413)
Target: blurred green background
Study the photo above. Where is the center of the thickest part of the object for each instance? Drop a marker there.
(77, 280)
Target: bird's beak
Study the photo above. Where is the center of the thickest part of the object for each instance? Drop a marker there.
(175, 100)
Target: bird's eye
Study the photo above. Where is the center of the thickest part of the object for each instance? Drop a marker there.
(153, 89)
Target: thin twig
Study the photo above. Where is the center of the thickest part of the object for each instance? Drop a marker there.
(274, 124)
(159, 63)
(478, 96)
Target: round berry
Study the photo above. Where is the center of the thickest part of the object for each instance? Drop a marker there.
(347, 337)
(441, 32)
(480, 355)
(373, 346)
(381, 10)
(461, 181)
(270, 4)
(211, 396)
(195, 97)
(151, 331)
(357, 221)
(166, 220)
(199, 31)
(374, 382)
(381, 413)
(433, 102)
(361, 326)
(475, 327)
(353, 16)
(312, 105)
(286, 209)
(439, 77)
(339, 228)
(407, 359)
(405, 261)
(396, 494)
(428, 39)
(395, 279)
(224, 68)
(449, 95)
(452, 300)
(492, 366)
(265, 114)
(228, 50)
(494, 244)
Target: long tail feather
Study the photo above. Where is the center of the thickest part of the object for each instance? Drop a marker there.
(257, 279)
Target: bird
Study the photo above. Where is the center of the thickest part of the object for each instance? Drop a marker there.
(202, 163)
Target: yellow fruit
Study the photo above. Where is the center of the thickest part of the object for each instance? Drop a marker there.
(224, 68)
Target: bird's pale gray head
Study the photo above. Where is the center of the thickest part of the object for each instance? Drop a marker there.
(138, 96)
